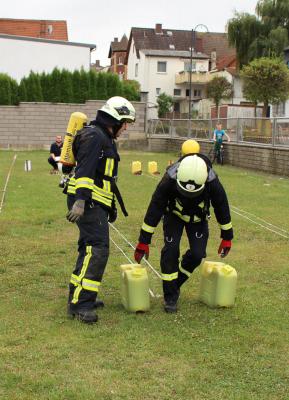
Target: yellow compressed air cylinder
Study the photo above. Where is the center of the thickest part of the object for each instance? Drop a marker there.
(76, 122)
(136, 168)
(153, 168)
(218, 284)
(134, 288)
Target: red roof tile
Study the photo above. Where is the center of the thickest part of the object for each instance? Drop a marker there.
(45, 29)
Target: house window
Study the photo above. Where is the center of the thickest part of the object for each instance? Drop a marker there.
(187, 92)
(158, 91)
(120, 60)
(162, 66)
(177, 92)
(197, 93)
(136, 70)
(187, 66)
(172, 46)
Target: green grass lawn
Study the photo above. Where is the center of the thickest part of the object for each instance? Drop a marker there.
(200, 353)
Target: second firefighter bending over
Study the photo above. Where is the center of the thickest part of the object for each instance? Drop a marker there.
(91, 202)
(183, 197)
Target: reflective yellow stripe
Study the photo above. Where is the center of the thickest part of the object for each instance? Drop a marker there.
(148, 228)
(71, 189)
(102, 192)
(106, 186)
(109, 166)
(185, 218)
(101, 199)
(84, 183)
(75, 280)
(90, 285)
(170, 277)
(184, 271)
(82, 273)
(226, 227)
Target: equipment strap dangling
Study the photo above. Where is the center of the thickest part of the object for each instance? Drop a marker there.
(119, 198)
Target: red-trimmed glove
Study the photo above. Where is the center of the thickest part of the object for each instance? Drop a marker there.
(140, 251)
(224, 247)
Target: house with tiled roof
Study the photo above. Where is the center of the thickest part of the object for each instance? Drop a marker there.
(43, 29)
(160, 60)
(117, 55)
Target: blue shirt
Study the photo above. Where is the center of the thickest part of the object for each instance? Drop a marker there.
(219, 135)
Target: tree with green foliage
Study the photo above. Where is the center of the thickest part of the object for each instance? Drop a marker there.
(66, 91)
(266, 80)
(219, 88)
(22, 90)
(165, 103)
(5, 89)
(264, 35)
(33, 87)
(243, 29)
(131, 90)
(92, 76)
(101, 86)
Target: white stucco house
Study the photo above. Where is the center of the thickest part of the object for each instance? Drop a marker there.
(20, 55)
(160, 60)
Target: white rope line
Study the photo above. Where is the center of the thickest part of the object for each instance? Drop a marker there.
(7, 180)
(260, 219)
(130, 261)
(263, 226)
(145, 260)
(239, 212)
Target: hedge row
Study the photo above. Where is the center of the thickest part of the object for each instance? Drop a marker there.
(66, 87)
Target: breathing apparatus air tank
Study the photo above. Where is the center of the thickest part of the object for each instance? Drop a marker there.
(76, 122)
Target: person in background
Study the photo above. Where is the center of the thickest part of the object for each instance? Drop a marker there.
(55, 151)
(91, 196)
(183, 198)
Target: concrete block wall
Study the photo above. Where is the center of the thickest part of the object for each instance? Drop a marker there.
(35, 125)
(273, 160)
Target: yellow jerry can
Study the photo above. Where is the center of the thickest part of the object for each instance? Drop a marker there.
(134, 288)
(218, 284)
(153, 167)
(136, 168)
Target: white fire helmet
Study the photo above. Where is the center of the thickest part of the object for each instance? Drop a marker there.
(120, 109)
(192, 174)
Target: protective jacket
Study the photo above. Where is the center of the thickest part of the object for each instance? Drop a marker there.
(97, 164)
(166, 199)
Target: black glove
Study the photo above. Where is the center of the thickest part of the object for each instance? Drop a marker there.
(112, 215)
(76, 211)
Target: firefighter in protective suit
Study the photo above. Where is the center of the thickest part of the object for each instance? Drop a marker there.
(183, 199)
(92, 194)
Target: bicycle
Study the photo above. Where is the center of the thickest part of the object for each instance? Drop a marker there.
(217, 153)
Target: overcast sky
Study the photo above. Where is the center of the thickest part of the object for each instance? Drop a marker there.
(99, 21)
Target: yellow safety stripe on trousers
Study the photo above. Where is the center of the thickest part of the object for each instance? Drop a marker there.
(101, 199)
(106, 186)
(226, 227)
(75, 280)
(170, 277)
(81, 275)
(109, 167)
(90, 285)
(148, 228)
(184, 271)
(102, 192)
(71, 186)
(84, 182)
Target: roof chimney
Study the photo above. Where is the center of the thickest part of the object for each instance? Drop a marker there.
(158, 29)
(115, 39)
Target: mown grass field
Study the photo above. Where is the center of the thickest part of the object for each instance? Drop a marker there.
(198, 354)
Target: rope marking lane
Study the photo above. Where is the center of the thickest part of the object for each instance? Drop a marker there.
(260, 219)
(6, 183)
(125, 239)
(131, 262)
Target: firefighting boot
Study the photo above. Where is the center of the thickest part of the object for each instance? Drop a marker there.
(170, 307)
(85, 316)
(98, 303)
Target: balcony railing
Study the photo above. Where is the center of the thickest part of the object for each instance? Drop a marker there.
(197, 77)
